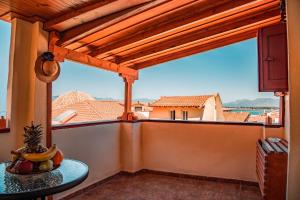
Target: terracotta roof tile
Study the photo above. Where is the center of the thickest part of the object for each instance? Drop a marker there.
(186, 101)
(70, 98)
(236, 116)
(257, 118)
(91, 110)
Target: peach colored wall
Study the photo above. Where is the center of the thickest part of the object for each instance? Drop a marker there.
(164, 112)
(226, 151)
(274, 132)
(293, 16)
(131, 147)
(98, 146)
(26, 95)
(6, 145)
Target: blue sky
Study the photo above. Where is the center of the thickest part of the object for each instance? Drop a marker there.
(231, 71)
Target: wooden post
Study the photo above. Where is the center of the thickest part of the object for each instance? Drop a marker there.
(128, 114)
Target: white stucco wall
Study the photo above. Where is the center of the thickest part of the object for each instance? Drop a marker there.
(98, 146)
(6, 145)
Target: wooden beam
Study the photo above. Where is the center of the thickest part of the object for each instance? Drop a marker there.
(51, 24)
(62, 53)
(173, 22)
(197, 49)
(182, 51)
(91, 27)
(194, 37)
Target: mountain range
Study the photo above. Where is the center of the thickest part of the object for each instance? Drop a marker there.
(259, 102)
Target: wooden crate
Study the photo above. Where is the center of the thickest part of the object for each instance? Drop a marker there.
(271, 168)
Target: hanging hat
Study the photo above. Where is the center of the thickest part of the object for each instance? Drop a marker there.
(46, 68)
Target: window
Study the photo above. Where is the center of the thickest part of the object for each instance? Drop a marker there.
(185, 115)
(138, 109)
(4, 58)
(172, 115)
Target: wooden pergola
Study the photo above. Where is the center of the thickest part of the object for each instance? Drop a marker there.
(126, 36)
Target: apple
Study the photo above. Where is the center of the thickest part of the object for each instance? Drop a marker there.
(46, 165)
(24, 166)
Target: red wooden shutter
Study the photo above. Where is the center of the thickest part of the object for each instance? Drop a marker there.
(273, 59)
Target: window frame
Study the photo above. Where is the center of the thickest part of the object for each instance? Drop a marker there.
(172, 115)
(185, 115)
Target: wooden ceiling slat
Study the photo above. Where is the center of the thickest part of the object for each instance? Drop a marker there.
(142, 34)
(191, 15)
(233, 16)
(200, 34)
(91, 27)
(81, 45)
(195, 50)
(51, 24)
(44, 9)
(208, 44)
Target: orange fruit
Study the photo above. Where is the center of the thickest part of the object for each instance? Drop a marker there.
(58, 158)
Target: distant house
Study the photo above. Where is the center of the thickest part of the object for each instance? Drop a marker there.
(205, 107)
(236, 116)
(141, 109)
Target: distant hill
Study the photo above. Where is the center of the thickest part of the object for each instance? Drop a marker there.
(144, 100)
(259, 102)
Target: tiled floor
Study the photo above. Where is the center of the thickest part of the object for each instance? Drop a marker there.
(149, 186)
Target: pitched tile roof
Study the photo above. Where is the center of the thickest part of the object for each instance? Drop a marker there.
(70, 98)
(180, 101)
(236, 116)
(90, 110)
(257, 118)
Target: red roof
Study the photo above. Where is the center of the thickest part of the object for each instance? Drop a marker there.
(236, 116)
(90, 110)
(181, 101)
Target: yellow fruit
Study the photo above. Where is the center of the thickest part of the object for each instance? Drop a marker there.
(46, 165)
(14, 157)
(39, 157)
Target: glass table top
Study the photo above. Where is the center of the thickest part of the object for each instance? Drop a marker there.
(68, 175)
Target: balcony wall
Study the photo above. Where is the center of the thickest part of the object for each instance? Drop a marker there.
(204, 149)
(224, 151)
(98, 146)
(7, 143)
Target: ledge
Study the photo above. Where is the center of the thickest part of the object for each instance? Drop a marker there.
(196, 122)
(4, 130)
(77, 125)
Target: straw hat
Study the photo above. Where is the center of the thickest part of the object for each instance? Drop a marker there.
(46, 69)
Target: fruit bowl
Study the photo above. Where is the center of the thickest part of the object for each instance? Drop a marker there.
(34, 163)
(33, 157)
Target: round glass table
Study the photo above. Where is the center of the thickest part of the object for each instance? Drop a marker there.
(68, 175)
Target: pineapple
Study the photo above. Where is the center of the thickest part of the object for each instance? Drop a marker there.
(32, 139)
